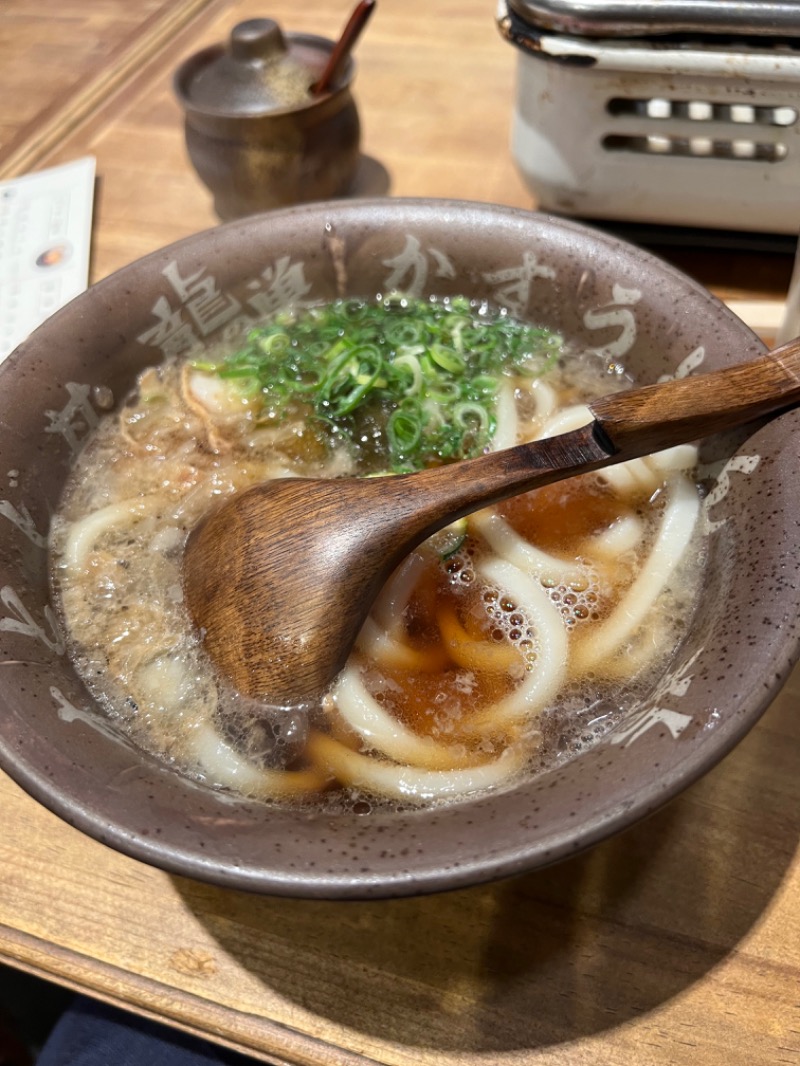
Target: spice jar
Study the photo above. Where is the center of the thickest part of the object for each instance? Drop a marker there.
(255, 133)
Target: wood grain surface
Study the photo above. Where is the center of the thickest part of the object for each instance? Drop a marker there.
(60, 65)
(675, 944)
(678, 942)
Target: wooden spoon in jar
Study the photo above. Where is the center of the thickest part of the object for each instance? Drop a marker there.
(280, 578)
(344, 46)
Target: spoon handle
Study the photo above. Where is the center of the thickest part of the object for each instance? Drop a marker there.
(675, 412)
(626, 425)
(344, 46)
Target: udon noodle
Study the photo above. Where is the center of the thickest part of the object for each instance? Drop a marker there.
(506, 643)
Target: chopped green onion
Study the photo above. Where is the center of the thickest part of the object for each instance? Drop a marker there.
(448, 540)
(409, 362)
(468, 414)
(404, 430)
(420, 375)
(449, 360)
(445, 391)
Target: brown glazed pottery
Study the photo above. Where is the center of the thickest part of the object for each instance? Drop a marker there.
(592, 287)
(255, 134)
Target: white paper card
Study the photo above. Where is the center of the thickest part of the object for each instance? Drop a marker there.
(45, 236)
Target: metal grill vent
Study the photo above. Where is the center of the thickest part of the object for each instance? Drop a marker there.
(703, 111)
(700, 147)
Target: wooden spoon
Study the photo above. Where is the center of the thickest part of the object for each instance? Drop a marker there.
(281, 577)
(344, 46)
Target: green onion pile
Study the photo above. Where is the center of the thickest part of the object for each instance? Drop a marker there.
(422, 375)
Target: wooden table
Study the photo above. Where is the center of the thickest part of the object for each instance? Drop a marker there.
(677, 943)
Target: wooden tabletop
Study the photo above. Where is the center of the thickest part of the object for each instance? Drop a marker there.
(677, 943)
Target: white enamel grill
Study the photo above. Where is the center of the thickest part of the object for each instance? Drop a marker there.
(682, 112)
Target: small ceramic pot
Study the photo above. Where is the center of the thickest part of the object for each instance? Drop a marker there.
(256, 135)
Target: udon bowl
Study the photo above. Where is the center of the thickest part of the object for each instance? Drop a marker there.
(597, 290)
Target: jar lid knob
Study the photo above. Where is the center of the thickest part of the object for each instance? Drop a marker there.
(257, 39)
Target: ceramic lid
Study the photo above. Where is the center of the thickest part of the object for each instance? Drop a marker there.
(259, 70)
(647, 18)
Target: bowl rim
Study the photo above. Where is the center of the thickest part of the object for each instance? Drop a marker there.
(435, 877)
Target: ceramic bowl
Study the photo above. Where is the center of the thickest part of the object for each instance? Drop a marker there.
(741, 644)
